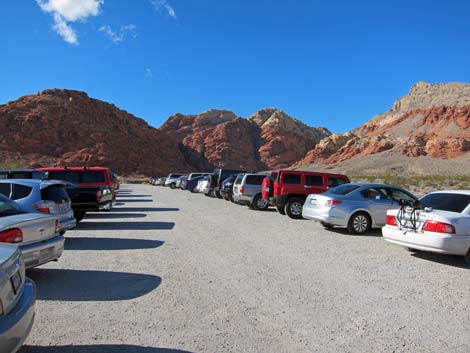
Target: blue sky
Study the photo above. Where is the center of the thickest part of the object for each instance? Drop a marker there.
(327, 63)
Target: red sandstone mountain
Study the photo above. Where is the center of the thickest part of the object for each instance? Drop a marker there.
(267, 139)
(64, 127)
(432, 121)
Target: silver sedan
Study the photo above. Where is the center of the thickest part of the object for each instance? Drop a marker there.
(357, 206)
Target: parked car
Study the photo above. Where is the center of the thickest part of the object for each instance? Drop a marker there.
(439, 223)
(288, 189)
(247, 191)
(22, 174)
(357, 206)
(219, 175)
(180, 180)
(226, 188)
(88, 199)
(37, 234)
(196, 175)
(191, 184)
(171, 179)
(46, 196)
(84, 176)
(17, 298)
(202, 184)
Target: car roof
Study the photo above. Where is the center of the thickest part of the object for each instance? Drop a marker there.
(461, 192)
(33, 182)
(74, 169)
(374, 185)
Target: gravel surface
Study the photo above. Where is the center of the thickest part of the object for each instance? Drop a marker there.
(170, 271)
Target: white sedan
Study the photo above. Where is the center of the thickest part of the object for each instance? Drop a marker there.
(440, 224)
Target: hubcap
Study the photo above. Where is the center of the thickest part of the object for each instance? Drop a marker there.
(296, 209)
(360, 223)
(261, 203)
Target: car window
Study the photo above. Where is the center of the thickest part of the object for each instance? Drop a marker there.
(398, 195)
(376, 194)
(446, 201)
(335, 181)
(20, 175)
(254, 179)
(64, 175)
(8, 207)
(313, 180)
(343, 189)
(291, 178)
(20, 191)
(5, 189)
(54, 193)
(92, 177)
(239, 179)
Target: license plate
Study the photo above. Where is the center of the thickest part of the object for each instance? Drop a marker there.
(45, 253)
(16, 282)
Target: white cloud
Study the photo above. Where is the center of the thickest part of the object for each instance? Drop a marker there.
(163, 4)
(65, 11)
(118, 36)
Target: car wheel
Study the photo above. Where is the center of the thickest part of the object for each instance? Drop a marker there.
(359, 223)
(259, 203)
(294, 208)
(172, 185)
(280, 210)
(79, 216)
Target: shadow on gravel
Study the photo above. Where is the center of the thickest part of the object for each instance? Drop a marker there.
(110, 215)
(370, 233)
(82, 285)
(125, 225)
(445, 259)
(131, 200)
(98, 348)
(144, 209)
(83, 243)
(131, 195)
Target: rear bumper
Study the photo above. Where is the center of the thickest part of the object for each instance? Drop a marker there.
(67, 223)
(92, 206)
(242, 199)
(42, 252)
(16, 326)
(325, 215)
(434, 242)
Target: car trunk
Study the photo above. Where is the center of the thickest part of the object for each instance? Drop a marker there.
(34, 226)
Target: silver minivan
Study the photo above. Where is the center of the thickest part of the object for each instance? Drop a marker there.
(247, 191)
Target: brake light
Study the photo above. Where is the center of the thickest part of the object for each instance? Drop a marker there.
(98, 196)
(57, 226)
(438, 227)
(331, 203)
(42, 209)
(13, 235)
(242, 190)
(391, 220)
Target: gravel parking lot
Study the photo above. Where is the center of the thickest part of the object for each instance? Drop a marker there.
(171, 271)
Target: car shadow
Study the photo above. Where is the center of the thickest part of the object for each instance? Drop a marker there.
(131, 195)
(110, 215)
(125, 225)
(371, 233)
(97, 348)
(91, 285)
(444, 259)
(132, 200)
(144, 209)
(85, 243)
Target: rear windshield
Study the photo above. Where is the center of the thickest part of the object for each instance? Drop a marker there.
(342, 189)
(446, 201)
(255, 179)
(78, 176)
(239, 179)
(54, 193)
(8, 207)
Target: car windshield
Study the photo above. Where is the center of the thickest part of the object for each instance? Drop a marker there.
(342, 189)
(446, 201)
(8, 207)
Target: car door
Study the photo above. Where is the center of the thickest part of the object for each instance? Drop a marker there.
(378, 202)
(314, 184)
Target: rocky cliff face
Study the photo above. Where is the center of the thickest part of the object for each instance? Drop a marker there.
(64, 127)
(267, 139)
(433, 120)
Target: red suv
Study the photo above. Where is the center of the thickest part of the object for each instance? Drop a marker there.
(288, 189)
(84, 176)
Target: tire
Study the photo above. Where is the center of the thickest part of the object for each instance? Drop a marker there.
(218, 195)
(79, 216)
(466, 257)
(293, 207)
(259, 203)
(172, 186)
(359, 223)
(280, 210)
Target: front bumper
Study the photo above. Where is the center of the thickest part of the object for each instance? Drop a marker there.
(16, 326)
(434, 242)
(37, 254)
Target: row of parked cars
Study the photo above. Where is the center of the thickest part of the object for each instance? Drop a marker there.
(37, 207)
(437, 222)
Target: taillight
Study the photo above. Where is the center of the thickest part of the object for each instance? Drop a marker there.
(57, 226)
(14, 235)
(98, 196)
(242, 190)
(391, 220)
(331, 203)
(438, 227)
(42, 209)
